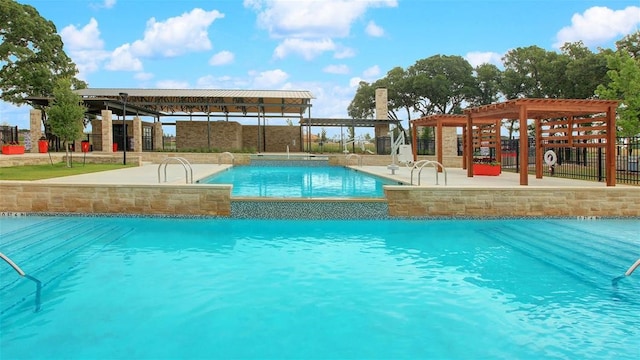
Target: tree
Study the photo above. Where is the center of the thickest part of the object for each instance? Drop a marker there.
(66, 114)
(441, 84)
(624, 86)
(363, 104)
(31, 55)
(488, 79)
(528, 73)
(579, 71)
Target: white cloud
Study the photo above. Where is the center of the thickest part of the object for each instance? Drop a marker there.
(81, 39)
(222, 58)
(312, 20)
(109, 3)
(268, 79)
(85, 47)
(177, 35)
(336, 69)
(476, 58)
(172, 84)
(374, 30)
(371, 72)
(221, 82)
(143, 76)
(598, 25)
(344, 52)
(305, 48)
(122, 60)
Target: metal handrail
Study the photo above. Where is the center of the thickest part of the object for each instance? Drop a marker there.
(185, 164)
(12, 264)
(233, 159)
(22, 274)
(354, 155)
(422, 163)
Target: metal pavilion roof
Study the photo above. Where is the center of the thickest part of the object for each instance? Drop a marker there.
(205, 101)
(345, 122)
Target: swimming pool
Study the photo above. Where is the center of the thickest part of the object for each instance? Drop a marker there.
(300, 182)
(142, 288)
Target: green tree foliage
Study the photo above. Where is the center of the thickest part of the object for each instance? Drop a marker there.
(31, 55)
(488, 80)
(66, 114)
(363, 105)
(527, 72)
(441, 84)
(624, 86)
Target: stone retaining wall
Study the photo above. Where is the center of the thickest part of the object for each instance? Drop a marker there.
(160, 199)
(406, 201)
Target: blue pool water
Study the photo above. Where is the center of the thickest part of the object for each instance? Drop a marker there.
(300, 182)
(150, 288)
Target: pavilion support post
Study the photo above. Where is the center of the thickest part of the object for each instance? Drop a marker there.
(464, 148)
(468, 151)
(439, 144)
(539, 149)
(610, 158)
(414, 142)
(524, 146)
(498, 126)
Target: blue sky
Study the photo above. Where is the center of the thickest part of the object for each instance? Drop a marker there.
(324, 46)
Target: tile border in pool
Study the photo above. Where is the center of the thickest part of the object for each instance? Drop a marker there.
(325, 208)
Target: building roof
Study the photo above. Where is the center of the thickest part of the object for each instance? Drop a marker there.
(345, 122)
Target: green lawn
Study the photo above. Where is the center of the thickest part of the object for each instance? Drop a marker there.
(37, 172)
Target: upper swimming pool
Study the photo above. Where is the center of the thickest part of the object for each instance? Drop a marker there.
(300, 182)
(151, 288)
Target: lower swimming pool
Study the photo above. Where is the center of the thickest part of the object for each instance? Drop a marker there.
(300, 182)
(148, 288)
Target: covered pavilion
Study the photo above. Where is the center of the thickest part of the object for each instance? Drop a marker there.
(558, 123)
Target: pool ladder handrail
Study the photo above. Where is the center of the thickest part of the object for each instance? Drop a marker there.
(22, 274)
(233, 159)
(185, 164)
(12, 264)
(422, 163)
(349, 156)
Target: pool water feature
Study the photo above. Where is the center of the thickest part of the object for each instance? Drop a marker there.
(226, 288)
(300, 182)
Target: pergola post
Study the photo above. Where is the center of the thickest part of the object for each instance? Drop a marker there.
(610, 158)
(468, 151)
(539, 149)
(464, 148)
(524, 146)
(414, 142)
(439, 144)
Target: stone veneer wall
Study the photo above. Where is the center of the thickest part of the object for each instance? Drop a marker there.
(209, 200)
(278, 137)
(383, 160)
(406, 201)
(224, 135)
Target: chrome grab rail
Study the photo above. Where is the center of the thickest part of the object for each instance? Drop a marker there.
(233, 159)
(185, 164)
(356, 156)
(12, 264)
(22, 274)
(422, 163)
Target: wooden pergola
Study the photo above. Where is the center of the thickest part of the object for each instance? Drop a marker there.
(559, 123)
(486, 131)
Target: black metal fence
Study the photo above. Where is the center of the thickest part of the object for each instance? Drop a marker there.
(8, 134)
(579, 163)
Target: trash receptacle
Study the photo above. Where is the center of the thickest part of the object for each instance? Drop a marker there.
(85, 146)
(43, 146)
(115, 147)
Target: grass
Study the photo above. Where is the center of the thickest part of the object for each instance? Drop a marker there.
(38, 172)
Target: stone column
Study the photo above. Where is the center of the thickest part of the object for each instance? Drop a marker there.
(137, 134)
(449, 141)
(35, 128)
(382, 112)
(157, 135)
(107, 131)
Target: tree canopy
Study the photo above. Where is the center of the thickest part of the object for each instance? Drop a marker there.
(444, 84)
(67, 112)
(31, 54)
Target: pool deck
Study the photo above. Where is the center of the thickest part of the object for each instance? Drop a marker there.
(148, 174)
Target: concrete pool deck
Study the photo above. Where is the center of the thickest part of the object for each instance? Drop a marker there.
(148, 174)
(136, 190)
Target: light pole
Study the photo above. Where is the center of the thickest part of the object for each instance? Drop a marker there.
(124, 97)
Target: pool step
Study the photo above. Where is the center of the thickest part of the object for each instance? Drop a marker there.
(582, 263)
(41, 262)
